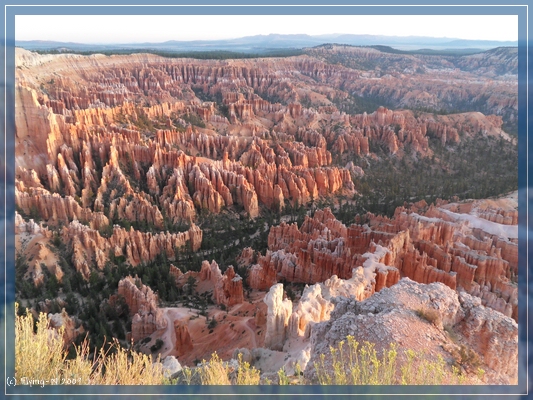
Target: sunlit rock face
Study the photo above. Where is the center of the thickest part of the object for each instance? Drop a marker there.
(277, 318)
(425, 243)
(124, 156)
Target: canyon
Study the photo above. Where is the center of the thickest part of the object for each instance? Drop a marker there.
(196, 206)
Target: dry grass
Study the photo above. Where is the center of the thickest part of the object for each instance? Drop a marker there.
(125, 367)
(41, 356)
(360, 365)
(247, 375)
(218, 372)
(38, 355)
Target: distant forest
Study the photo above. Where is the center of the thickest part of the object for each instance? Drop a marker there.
(226, 54)
(200, 55)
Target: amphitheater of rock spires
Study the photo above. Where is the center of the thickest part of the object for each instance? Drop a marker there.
(120, 158)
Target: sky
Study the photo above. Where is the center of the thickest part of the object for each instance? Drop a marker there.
(102, 29)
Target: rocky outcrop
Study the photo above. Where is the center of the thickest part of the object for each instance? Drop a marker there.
(318, 250)
(493, 337)
(71, 326)
(41, 256)
(107, 126)
(504, 217)
(391, 316)
(56, 210)
(228, 289)
(34, 244)
(138, 209)
(247, 257)
(316, 303)
(244, 354)
(38, 131)
(263, 275)
(183, 338)
(311, 308)
(175, 272)
(142, 304)
(459, 250)
(277, 318)
(30, 226)
(90, 248)
(170, 366)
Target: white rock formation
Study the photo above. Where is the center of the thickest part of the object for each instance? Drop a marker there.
(278, 314)
(171, 365)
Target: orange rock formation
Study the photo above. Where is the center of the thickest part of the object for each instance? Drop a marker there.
(183, 338)
(227, 288)
(425, 249)
(142, 303)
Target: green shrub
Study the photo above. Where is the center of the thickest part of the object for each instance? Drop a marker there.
(469, 357)
(430, 315)
(247, 375)
(283, 378)
(212, 323)
(158, 344)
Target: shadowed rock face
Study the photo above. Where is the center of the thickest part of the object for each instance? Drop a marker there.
(142, 304)
(227, 287)
(413, 81)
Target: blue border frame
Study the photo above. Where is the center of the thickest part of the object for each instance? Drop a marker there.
(7, 247)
